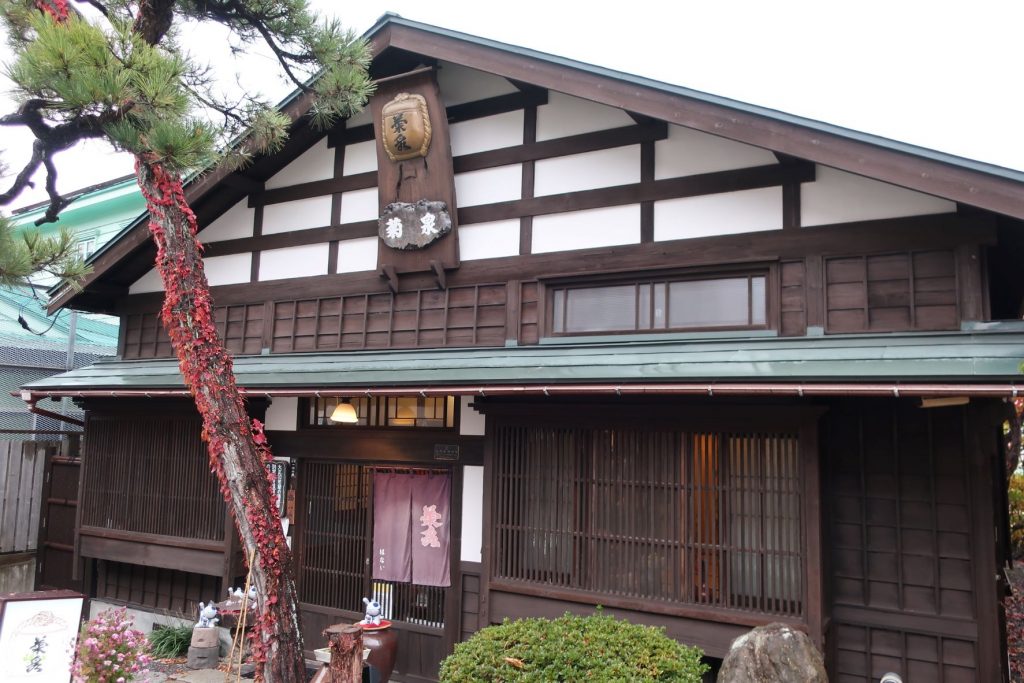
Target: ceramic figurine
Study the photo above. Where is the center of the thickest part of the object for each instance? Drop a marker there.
(373, 611)
(207, 615)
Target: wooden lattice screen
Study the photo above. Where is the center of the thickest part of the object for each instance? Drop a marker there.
(336, 537)
(151, 474)
(709, 519)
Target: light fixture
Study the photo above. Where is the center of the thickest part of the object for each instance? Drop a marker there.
(345, 413)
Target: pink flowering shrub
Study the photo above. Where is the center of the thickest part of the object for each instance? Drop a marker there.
(110, 650)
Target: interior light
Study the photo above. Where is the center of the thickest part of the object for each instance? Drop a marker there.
(345, 413)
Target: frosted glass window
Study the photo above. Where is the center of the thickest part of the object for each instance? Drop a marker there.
(727, 302)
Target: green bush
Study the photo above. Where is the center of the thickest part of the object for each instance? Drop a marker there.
(170, 641)
(592, 649)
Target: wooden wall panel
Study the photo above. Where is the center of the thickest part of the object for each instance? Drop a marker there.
(173, 592)
(792, 299)
(240, 327)
(913, 290)
(902, 554)
(459, 316)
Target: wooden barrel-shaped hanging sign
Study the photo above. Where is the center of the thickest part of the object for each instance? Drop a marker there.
(406, 126)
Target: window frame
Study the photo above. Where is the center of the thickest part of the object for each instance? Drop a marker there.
(682, 416)
(768, 270)
(306, 407)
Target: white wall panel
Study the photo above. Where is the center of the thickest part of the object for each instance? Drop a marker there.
(489, 240)
(840, 197)
(472, 513)
(489, 132)
(234, 223)
(360, 119)
(282, 414)
(565, 115)
(228, 270)
(586, 229)
(360, 158)
(498, 184)
(472, 421)
(588, 171)
(316, 163)
(359, 205)
(689, 152)
(357, 255)
(718, 214)
(300, 214)
(278, 264)
(150, 282)
(459, 84)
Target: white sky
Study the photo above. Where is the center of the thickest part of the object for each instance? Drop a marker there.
(940, 74)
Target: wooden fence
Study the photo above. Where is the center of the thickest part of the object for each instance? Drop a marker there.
(21, 485)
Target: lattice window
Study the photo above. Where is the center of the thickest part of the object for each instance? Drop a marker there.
(710, 519)
(336, 537)
(435, 412)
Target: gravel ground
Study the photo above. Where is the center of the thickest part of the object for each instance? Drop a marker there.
(1015, 621)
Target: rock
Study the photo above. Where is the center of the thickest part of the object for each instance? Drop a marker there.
(775, 653)
(203, 657)
(205, 637)
(414, 226)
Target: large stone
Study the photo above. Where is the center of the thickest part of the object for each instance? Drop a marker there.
(203, 657)
(775, 653)
(208, 636)
(414, 226)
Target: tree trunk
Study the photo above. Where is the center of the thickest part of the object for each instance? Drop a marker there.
(237, 448)
(346, 645)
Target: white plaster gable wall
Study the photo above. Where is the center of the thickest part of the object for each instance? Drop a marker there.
(489, 240)
(489, 185)
(486, 133)
(357, 255)
(565, 115)
(314, 212)
(471, 421)
(150, 282)
(359, 205)
(360, 158)
(228, 270)
(840, 197)
(304, 261)
(718, 214)
(587, 171)
(220, 270)
(472, 513)
(689, 152)
(586, 229)
(282, 414)
(459, 84)
(235, 223)
(316, 163)
(359, 119)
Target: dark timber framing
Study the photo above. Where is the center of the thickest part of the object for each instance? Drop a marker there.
(895, 551)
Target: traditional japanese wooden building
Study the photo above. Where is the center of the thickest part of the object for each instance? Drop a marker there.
(705, 364)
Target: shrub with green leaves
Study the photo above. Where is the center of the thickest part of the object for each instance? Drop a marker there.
(571, 648)
(170, 641)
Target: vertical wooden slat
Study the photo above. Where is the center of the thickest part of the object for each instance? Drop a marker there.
(10, 492)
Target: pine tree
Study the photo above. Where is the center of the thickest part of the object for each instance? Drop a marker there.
(25, 254)
(121, 75)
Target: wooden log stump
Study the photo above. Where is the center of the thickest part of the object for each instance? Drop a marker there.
(346, 644)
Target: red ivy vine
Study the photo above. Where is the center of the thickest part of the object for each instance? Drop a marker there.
(206, 367)
(58, 9)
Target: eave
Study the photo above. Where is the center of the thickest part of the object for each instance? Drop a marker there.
(972, 183)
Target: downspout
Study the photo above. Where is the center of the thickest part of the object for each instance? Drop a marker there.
(31, 400)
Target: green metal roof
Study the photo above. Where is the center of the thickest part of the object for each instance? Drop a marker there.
(981, 356)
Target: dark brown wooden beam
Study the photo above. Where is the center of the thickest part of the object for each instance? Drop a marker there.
(529, 206)
(455, 113)
(940, 231)
(862, 157)
(574, 144)
(243, 183)
(316, 188)
(670, 188)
